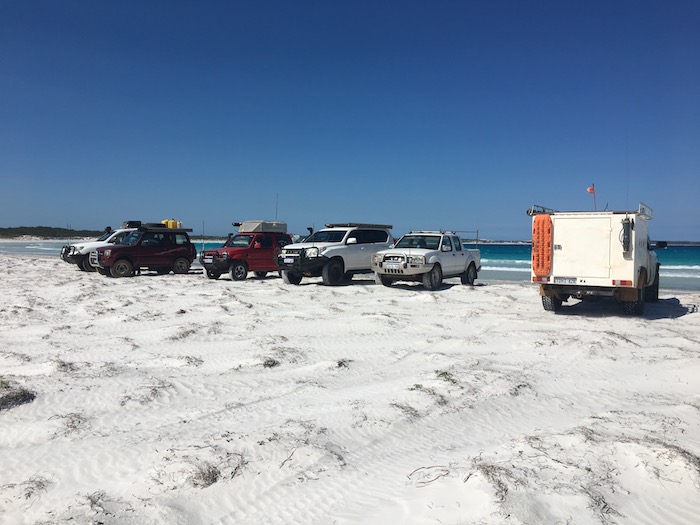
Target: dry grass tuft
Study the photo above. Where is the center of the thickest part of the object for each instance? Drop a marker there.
(11, 396)
(271, 362)
(204, 475)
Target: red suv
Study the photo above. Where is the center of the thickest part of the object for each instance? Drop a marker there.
(253, 249)
(154, 247)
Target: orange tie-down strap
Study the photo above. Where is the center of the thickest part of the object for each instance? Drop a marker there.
(542, 245)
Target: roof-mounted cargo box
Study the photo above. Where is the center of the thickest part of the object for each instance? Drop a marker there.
(131, 224)
(261, 227)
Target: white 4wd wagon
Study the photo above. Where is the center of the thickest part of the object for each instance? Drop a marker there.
(336, 252)
(79, 253)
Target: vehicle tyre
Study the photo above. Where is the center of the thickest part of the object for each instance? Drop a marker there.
(181, 265)
(122, 268)
(85, 265)
(104, 271)
(291, 277)
(635, 307)
(260, 275)
(551, 304)
(212, 274)
(651, 294)
(384, 279)
(333, 272)
(238, 271)
(433, 279)
(469, 276)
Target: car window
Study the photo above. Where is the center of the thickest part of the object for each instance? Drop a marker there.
(153, 239)
(446, 242)
(120, 237)
(360, 235)
(429, 242)
(181, 239)
(370, 236)
(132, 238)
(432, 242)
(265, 241)
(458, 245)
(239, 241)
(283, 241)
(327, 236)
(105, 236)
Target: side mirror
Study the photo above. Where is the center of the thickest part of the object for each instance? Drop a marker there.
(352, 240)
(446, 248)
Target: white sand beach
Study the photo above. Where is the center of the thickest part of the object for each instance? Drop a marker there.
(180, 400)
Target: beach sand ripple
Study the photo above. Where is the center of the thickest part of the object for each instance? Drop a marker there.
(181, 400)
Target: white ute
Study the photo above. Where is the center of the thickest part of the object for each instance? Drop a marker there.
(591, 254)
(427, 256)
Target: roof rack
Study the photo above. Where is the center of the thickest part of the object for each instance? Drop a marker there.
(645, 211)
(537, 209)
(448, 232)
(154, 226)
(359, 225)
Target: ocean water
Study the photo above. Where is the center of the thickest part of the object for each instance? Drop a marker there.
(680, 265)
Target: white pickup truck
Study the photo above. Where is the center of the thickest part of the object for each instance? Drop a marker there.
(591, 254)
(427, 256)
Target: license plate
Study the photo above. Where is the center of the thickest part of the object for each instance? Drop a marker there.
(208, 260)
(289, 260)
(565, 280)
(392, 266)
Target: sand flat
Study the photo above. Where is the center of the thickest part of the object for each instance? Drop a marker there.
(177, 399)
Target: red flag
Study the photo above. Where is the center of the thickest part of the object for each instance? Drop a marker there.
(591, 189)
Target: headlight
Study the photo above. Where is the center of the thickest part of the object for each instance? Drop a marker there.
(80, 248)
(377, 258)
(224, 255)
(312, 252)
(415, 259)
(106, 253)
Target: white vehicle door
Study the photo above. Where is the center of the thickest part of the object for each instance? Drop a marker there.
(460, 255)
(447, 256)
(369, 242)
(353, 252)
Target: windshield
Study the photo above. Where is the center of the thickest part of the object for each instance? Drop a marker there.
(131, 239)
(239, 241)
(105, 236)
(327, 236)
(431, 242)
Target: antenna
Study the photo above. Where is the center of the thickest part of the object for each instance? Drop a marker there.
(627, 167)
(277, 199)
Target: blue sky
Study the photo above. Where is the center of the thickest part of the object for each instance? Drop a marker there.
(424, 115)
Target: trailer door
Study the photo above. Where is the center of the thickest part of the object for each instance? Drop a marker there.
(581, 247)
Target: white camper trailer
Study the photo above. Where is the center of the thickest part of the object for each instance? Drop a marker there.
(590, 254)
